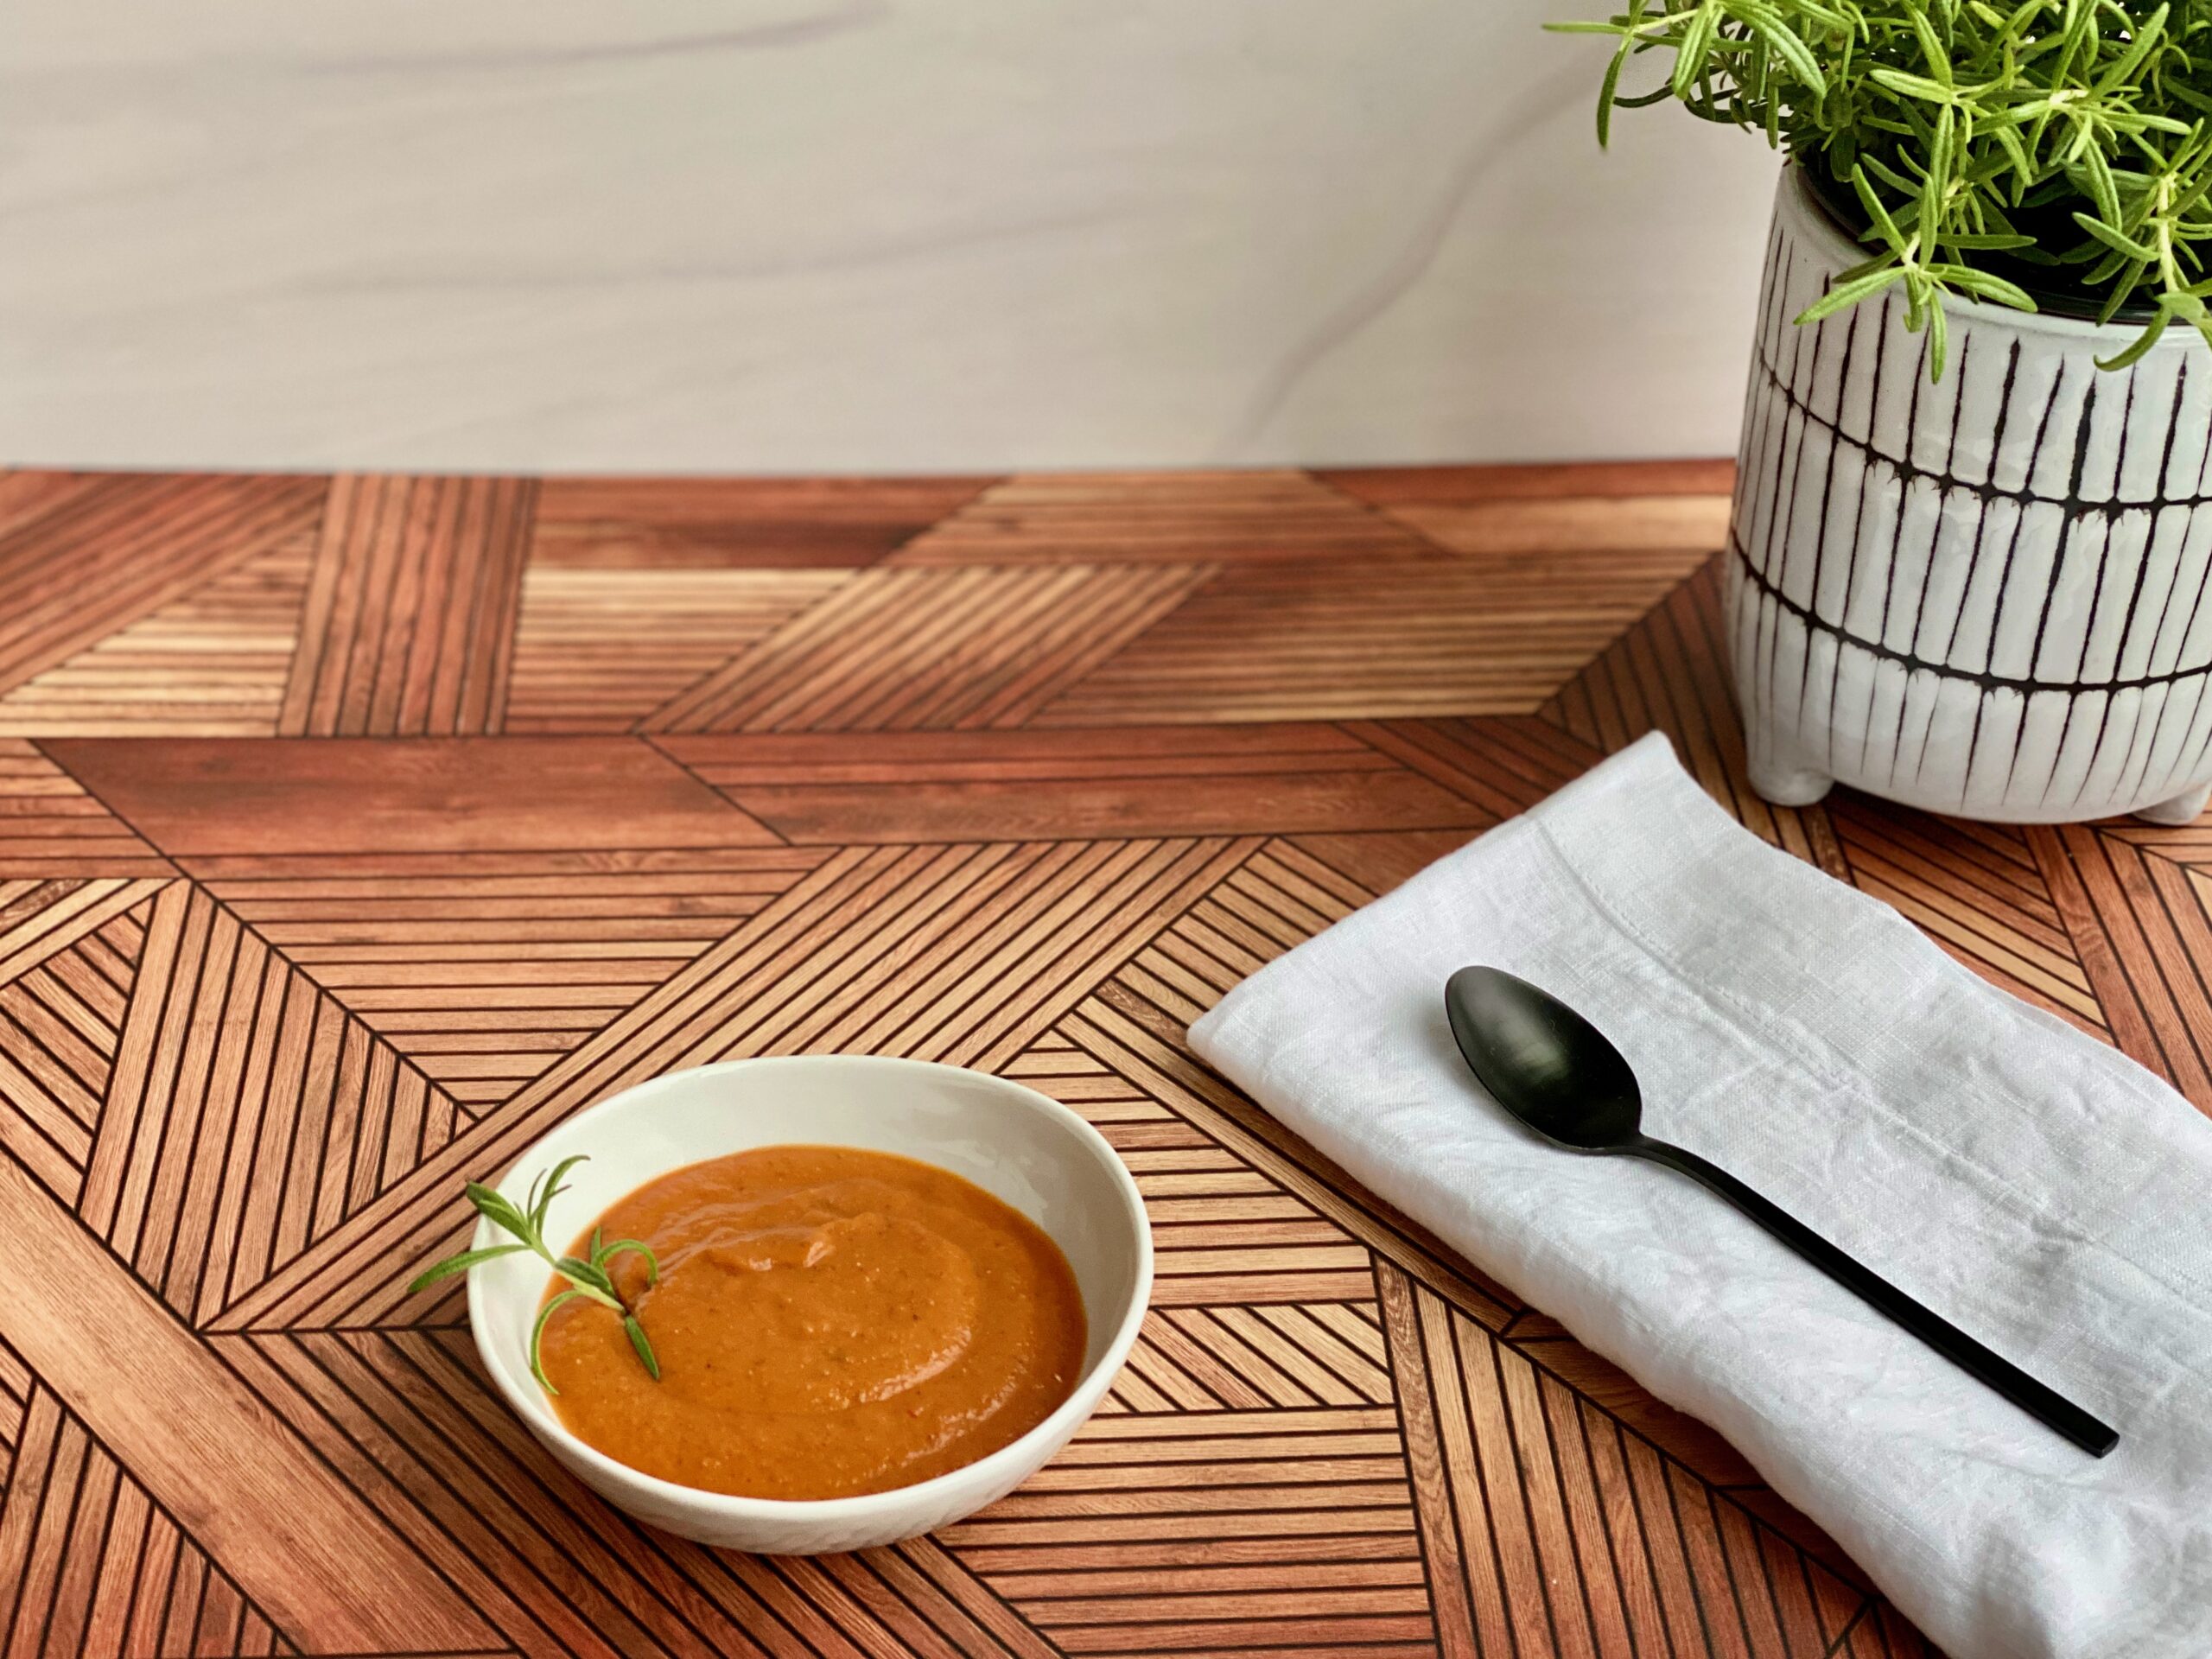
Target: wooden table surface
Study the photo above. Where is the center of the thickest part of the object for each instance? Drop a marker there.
(352, 832)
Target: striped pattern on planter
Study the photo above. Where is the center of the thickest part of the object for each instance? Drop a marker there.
(1985, 595)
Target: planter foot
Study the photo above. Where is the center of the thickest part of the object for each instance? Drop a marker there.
(1788, 785)
(2183, 808)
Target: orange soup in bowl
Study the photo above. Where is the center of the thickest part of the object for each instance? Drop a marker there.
(827, 1322)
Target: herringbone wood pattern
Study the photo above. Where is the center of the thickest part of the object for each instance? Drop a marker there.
(353, 831)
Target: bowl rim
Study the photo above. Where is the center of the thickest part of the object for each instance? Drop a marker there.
(1055, 1429)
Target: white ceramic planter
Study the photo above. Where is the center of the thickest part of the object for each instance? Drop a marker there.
(1985, 595)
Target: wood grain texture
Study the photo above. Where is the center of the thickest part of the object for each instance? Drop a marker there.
(150, 1590)
(410, 617)
(81, 559)
(1493, 635)
(211, 1451)
(213, 663)
(1460, 487)
(932, 650)
(466, 796)
(778, 523)
(1693, 524)
(483, 978)
(246, 1114)
(52, 827)
(596, 778)
(599, 649)
(1123, 781)
(68, 958)
(1176, 518)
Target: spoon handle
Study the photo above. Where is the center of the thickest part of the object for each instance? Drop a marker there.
(2052, 1408)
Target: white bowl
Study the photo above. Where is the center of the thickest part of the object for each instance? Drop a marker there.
(1013, 1142)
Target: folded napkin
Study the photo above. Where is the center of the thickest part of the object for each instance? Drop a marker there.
(2045, 1194)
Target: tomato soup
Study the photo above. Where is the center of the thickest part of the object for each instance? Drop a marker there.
(827, 1322)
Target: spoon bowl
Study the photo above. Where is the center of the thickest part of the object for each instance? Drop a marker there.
(1544, 1061)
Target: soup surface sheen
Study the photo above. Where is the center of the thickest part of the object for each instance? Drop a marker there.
(829, 1322)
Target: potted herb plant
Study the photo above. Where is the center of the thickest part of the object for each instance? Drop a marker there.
(1972, 524)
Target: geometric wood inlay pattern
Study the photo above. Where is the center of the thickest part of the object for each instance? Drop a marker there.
(599, 649)
(354, 831)
(1481, 634)
(51, 827)
(148, 1589)
(210, 664)
(917, 649)
(83, 556)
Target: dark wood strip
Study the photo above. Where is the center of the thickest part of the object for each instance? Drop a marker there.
(410, 609)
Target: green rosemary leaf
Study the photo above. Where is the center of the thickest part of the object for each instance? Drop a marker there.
(495, 1207)
(644, 1349)
(2098, 168)
(1885, 174)
(1850, 293)
(2129, 277)
(589, 1275)
(1912, 85)
(538, 1333)
(1982, 139)
(1779, 34)
(1695, 46)
(2145, 34)
(2112, 239)
(1983, 285)
(630, 1246)
(1939, 58)
(553, 1190)
(2140, 346)
(1609, 92)
(1878, 212)
(460, 1264)
(587, 1280)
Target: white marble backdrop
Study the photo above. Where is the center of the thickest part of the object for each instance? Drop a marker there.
(820, 235)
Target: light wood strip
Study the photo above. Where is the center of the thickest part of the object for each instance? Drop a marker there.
(1387, 640)
(126, 544)
(52, 830)
(1158, 517)
(1693, 524)
(210, 664)
(31, 939)
(910, 650)
(599, 649)
(647, 524)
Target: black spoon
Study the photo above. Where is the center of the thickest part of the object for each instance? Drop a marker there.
(1554, 1070)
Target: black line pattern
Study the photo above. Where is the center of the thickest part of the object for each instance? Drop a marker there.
(2039, 683)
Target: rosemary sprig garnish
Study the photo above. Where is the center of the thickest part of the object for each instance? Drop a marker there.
(588, 1279)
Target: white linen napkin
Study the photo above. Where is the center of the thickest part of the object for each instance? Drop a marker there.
(2041, 1191)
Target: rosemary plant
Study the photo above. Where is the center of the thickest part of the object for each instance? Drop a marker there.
(2015, 151)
